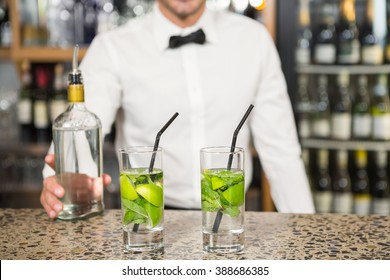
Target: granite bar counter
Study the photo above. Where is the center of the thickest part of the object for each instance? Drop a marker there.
(30, 234)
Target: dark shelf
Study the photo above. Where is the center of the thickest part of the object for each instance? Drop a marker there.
(336, 69)
(332, 144)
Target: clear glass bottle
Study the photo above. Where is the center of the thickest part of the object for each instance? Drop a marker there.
(77, 137)
(322, 183)
(303, 107)
(361, 117)
(341, 115)
(25, 103)
(341, 182)
(387, 38)
(325, 39)
(361, 184)
(321, 116)
(380, 109)
(380, 186)
(348, 44)
(41, 108)
(372, 50)
(304, 35)
(58, 102)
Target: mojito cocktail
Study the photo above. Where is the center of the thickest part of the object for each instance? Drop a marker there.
(223, 201)
(142, 202)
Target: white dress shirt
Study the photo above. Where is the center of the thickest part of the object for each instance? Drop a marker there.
(131, 77)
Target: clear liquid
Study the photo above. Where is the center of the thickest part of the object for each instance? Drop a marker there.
(143, 213)
(230, 236)
(79, 170)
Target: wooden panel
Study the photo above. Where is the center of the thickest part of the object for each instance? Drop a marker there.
(269, 17)
(5, 53)
(44, 54)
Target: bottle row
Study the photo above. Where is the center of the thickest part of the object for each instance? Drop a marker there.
(349, 182)
(343, 107)
(42, 97)
(339, 37)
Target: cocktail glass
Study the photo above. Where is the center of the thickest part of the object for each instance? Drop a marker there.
(223, 199)
(142, 198)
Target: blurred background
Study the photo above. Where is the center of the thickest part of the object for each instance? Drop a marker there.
(335, 56)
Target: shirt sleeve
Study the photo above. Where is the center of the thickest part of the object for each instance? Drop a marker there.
(275, 137)
(102, 89)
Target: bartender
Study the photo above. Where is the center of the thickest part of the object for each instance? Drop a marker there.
(208, 66)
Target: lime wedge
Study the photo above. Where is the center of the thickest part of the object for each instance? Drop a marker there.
(127, 189)
(216, 182)
(235, 194)
(151, 193)
(154, 213)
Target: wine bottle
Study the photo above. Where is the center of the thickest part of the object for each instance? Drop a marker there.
(361, 185)
(303, 106)
(322, 183)
(304, 35)
(348, 45)
(41, 110)
(372, 51)
(325, 39)
(341, 184)
(380, 186)
(25, 104)
(380, 109)
(321, 115)
(77, 138)
(387, 40)
(361, 118)
(341, 117)
(59, 102)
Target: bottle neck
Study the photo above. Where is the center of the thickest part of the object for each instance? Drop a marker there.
(369, 12)
(304, 14)
(76, 93)
(348, 11)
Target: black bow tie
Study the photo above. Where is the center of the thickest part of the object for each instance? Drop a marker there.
(197, 37)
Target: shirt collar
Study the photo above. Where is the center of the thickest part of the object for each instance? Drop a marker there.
(163, 29)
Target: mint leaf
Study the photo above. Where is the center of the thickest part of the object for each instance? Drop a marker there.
(131, 205)
(232, 211)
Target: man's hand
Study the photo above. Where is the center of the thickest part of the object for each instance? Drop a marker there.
(52, 191)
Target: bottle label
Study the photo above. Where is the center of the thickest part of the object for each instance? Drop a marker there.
(323, 201)
(372, 54)
(361, 204)
(349, 52)
(342, 202)
(321, 128)
(381, 206)
(40, 114)
(341, 125)
(381, 127)
(302, 56)
(304, 128)
(361, 126)
(24, 111)
(325, 53)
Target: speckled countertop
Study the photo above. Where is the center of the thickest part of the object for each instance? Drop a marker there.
(30, 234)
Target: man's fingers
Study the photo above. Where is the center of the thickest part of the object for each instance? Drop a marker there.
(50, 184)
(106, 180)
(50, 160)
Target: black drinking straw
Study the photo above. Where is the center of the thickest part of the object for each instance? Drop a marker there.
(156, 142)
(218, 218)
